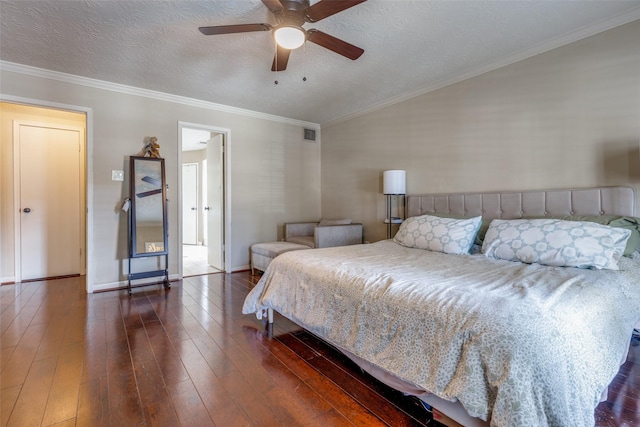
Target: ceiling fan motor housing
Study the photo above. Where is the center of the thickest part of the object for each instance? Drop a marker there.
(297, 5)
(292, 12)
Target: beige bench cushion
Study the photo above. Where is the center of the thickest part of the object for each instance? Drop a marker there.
(263, 253)
(273, 249)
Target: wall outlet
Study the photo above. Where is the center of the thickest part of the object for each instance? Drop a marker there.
(117, 175)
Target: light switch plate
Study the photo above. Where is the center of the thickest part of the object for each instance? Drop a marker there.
(117, 175)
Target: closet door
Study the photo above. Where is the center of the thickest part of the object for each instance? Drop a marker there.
(49, 200)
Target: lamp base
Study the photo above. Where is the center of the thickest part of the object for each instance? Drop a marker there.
(391, 220)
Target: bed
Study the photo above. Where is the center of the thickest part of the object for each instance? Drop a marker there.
(487, 341)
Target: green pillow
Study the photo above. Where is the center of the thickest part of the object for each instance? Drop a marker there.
(633, 224)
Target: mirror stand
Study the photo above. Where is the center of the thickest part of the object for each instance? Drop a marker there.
(148, 227)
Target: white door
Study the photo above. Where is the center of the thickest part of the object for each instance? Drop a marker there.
(190, 203)
(215, 196)
(49, 199)
(205, 206)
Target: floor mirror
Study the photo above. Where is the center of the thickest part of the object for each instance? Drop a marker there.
(148, 217)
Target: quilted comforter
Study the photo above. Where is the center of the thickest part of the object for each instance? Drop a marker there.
(516, 344)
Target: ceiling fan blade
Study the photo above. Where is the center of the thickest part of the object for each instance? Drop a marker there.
(152, 181)
(325, 8)
(273, 5)
(149, 193)
(281, 57)
(340, 47)
(230, 29)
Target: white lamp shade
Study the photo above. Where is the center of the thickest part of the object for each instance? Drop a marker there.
(290, 37)
(394, 182)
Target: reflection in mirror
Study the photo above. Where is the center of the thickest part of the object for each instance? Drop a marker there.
(148, 215)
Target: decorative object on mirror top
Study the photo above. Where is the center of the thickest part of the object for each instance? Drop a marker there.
(151, 148)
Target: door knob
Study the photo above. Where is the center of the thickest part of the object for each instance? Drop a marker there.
(26, 210)
(206, 208)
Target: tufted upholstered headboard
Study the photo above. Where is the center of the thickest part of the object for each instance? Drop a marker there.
(510, 205)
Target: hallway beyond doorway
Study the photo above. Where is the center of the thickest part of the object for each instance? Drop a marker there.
(195, 261)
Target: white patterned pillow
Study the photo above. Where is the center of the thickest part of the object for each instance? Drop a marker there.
(448, 235)
(556, 242)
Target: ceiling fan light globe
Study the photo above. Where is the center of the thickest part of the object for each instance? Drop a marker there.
(290, 37)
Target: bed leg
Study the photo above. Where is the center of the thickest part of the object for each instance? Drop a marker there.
(270, 314)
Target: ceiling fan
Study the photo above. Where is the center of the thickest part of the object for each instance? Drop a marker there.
(290, 16)
(152, 181)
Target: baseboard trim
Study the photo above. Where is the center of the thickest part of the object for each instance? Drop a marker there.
(7, 280)
(240, 268)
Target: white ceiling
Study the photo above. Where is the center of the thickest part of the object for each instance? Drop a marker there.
(195, 139)
(411, 47)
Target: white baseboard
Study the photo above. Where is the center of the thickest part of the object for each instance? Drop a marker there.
(240, 268)
(10, 279)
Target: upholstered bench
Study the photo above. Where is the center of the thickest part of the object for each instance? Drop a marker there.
(263, 253)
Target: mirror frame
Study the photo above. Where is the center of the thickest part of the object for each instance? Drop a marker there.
(133, 252)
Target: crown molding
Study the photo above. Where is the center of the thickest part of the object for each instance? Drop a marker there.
(555, 43)
(160, 96)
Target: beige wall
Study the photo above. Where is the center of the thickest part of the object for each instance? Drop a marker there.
(566, 118)
(275, 174)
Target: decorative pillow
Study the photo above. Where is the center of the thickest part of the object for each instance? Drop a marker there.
(627, 222)
(334, 222)
(484, 225)
(448, 235)
(556, 242)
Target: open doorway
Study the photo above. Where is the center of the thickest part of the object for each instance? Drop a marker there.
(202, 200)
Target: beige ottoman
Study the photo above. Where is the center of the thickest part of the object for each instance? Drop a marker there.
(263, 253)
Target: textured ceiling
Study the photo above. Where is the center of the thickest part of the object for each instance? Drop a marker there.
(410, 46)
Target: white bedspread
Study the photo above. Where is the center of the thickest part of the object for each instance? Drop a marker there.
(519, 344)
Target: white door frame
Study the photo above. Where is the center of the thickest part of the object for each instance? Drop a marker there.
(17, 193)
(226, 162)
(88, 153)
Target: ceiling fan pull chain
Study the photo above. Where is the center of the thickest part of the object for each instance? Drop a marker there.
(304, 62)
(276, 62)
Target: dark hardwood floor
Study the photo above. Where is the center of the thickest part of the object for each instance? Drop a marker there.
(187, 356)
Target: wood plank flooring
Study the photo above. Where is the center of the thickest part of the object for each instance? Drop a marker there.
(187, 356)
